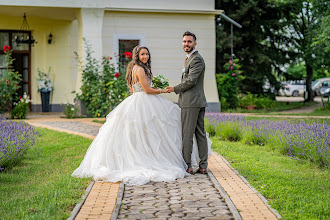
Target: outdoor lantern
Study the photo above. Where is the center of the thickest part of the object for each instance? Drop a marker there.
(20, 38)
(50, 38)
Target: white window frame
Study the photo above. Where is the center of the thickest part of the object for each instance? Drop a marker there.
(117, 37)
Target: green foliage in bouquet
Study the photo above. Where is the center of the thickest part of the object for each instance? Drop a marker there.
(160, 82)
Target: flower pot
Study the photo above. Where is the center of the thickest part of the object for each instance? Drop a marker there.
(250, 107)
(45, 101)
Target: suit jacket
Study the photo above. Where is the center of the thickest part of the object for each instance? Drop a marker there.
(191, 88)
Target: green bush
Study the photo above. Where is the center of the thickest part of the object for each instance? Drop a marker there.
(103, 88)
(70, 111)
(227, 84)
(21, 108)
(261, 102)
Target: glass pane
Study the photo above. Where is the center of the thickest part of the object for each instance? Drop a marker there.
(25, 61)
(3, 62)
(4, 39)
(2, 72)
(20, 36)
(25, 76)
(126, 46)
(26, 88)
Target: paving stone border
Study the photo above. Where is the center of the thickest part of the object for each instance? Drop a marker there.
(223, 193)
(278, 216)
(120, 196)
(77, 208)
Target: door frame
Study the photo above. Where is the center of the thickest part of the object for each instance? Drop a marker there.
(20, 51)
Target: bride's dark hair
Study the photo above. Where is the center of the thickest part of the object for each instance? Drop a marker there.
(135, 61)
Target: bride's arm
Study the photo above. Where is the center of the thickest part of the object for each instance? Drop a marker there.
(144, 83)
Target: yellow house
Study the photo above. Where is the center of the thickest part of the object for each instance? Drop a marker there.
(59, 27)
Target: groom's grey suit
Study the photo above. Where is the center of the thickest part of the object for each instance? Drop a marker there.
(192, 102)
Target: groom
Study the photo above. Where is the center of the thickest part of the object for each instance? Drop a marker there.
(192, 103)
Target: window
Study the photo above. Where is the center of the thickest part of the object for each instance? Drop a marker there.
(126, 46)
(125, 43)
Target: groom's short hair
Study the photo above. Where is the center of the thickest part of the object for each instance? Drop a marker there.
(188, 33)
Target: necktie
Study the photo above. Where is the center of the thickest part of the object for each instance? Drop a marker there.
(185, 60)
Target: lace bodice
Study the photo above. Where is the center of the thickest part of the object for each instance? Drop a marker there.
(137, 86)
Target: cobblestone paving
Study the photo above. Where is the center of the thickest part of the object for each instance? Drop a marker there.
(74, 126)
(193, 197)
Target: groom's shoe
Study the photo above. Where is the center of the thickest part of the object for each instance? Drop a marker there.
(190, 170)
(201, 171)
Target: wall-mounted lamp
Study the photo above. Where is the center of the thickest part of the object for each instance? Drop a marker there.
(50, 38)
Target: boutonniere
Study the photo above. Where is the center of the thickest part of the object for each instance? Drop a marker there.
(183, 70)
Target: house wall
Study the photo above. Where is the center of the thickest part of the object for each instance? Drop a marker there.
(162, 34)
(59, 55)
(145, 4)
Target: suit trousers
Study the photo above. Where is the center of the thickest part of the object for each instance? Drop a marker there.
(192, 120)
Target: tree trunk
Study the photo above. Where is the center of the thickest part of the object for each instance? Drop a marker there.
(310, 92)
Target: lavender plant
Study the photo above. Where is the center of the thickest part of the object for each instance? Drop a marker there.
(309, 141)
(15, 139)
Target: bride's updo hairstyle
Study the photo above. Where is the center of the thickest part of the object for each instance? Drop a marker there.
(135, 61)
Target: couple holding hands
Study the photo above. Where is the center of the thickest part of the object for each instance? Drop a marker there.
(147, 137)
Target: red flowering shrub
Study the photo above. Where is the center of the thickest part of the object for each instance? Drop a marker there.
(6, 48)
(128, 55)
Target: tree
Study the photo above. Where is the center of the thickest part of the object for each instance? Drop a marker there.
(275, 33)
(255, 45)
(304, 20)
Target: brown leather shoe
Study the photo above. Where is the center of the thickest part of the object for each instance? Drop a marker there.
(190, 170)
(201, 171)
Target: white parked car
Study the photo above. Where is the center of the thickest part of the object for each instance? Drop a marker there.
(293, 88)
(317, 85)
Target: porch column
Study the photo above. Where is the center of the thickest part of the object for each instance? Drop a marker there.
(90, 22)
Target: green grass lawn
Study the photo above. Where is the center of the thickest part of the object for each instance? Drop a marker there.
(296, 189)
(41, 186)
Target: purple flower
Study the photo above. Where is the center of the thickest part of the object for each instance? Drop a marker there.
(15, 139)
(233, 74)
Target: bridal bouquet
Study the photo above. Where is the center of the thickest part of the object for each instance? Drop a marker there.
(160, 82)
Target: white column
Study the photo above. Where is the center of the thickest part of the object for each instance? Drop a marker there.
(90, 22)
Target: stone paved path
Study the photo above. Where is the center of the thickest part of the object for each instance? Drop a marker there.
(74, 126)
(193, 197)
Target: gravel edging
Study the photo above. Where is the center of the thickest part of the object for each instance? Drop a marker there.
(120, 195)
(77, 208)
(253, 189)
(223, 193)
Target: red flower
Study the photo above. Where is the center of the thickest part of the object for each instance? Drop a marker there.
(110, 58)
(6, 48)
(20, 97)
(128, 55)
(117, 74)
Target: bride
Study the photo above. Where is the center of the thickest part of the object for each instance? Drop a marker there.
(141, 139)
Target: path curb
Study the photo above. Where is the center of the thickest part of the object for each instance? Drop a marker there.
(120, 196)
(77, 208)
(223, 193)
(253, 189)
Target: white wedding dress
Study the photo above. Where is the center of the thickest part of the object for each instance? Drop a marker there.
(139, 142)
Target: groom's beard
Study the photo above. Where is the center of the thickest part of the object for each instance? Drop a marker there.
(190, 49)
